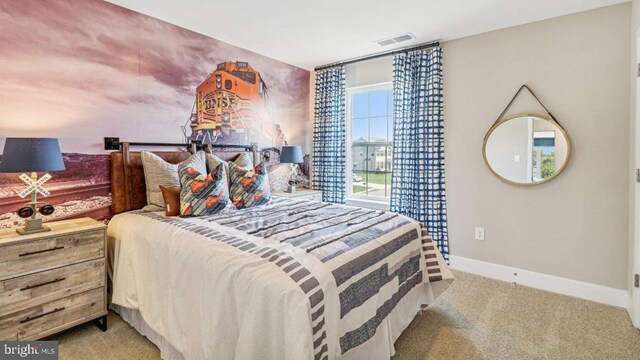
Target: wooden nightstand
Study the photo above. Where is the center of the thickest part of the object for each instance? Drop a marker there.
(53, 280)
(315, 195)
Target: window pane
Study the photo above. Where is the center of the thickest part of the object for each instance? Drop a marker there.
(359, 158)
(378, 129)
(360, 105)
(387, 192)
(377, 156)
(376, 184)
(378, 103)
(360, 130)
(370, 117)
(358, 184)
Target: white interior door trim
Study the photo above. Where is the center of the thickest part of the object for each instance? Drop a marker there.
(634, 306)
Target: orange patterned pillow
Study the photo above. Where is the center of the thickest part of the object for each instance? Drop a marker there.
(202, 194)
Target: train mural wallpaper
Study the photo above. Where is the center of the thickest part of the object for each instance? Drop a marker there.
(85, 70)
(233, 106)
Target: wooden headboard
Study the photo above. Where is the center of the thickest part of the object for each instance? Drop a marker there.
(128, 189)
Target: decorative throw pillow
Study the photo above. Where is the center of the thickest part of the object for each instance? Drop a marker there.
(171, 196)
(279, 176)
(213, 161)
(243, 160)
(202, 194)
(159, 172)
(249, 187)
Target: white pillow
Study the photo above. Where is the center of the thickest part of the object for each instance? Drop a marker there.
(279, 176)
(159, 172)
(244, 161)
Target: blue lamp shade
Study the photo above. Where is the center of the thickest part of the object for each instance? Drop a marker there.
(31, 155)
(291, 155)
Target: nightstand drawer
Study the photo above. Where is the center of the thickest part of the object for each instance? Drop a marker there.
(35, 289)
(38, 321)
(31, 256)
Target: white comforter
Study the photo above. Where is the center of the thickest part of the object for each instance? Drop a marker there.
(290, 280)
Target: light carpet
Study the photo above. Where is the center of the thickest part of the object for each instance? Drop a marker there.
(477, 318)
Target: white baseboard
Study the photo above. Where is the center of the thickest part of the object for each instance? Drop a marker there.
(635, 316)
(579, 289)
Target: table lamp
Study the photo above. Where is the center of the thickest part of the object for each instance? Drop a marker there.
(292, 155)
(23, 155)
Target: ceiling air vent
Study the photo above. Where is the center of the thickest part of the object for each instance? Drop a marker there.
(395, 39)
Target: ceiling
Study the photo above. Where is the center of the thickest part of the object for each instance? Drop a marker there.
(312, 33)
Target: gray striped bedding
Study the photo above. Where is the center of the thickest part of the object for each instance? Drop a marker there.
(356, 277)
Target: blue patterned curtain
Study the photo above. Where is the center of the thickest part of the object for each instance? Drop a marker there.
(418, 189)
(329, 135)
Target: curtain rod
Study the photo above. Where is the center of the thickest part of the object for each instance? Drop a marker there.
(379, 55)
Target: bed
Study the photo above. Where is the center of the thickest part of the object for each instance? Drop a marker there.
(292, 279)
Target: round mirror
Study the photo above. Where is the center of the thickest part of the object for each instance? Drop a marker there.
(526, 149)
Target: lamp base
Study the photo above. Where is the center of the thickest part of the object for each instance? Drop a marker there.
(32, 226)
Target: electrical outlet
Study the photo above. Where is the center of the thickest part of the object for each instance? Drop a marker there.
(479, 233)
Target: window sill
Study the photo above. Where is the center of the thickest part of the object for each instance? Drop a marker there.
(369, 204)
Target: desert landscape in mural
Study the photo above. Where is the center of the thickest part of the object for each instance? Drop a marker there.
(84, 70)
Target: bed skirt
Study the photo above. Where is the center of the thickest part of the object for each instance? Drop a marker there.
(380, 346)
(134, 318)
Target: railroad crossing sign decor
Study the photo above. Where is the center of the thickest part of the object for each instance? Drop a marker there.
(34, 185)
(28, 212)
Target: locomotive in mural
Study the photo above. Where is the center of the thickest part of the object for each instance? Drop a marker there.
(232, 106)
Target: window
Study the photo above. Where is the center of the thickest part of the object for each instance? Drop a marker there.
(369, 142)
(544, 162)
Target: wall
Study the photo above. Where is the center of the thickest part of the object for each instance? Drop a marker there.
(84, 70)
(369, 72)
(576, 226)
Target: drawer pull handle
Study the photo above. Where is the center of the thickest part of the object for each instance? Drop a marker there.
(42, 284)
(41, 251)
(41, 315)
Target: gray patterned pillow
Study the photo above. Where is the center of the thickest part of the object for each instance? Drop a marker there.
(159, 172)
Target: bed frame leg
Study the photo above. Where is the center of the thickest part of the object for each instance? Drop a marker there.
(101, 322)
